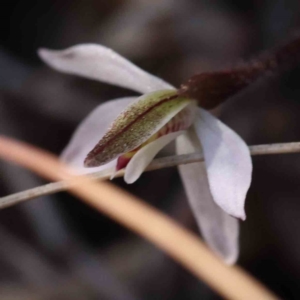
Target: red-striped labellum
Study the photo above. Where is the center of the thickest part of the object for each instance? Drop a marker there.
(136, 125)
(183, 120)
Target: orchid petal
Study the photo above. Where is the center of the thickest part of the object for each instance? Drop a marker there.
(136, 124)
(228, 163)
(103, 64)
(144, 156)
(90, 130)
(219, 230)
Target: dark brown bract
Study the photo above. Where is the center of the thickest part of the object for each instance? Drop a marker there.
(213, 88)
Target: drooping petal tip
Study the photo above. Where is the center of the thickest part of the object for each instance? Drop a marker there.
(228, 163)
(219, 230)
(241, 217)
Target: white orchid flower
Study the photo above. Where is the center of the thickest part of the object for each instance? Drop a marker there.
(129, 132)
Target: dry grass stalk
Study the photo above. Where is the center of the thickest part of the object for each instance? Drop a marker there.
(184, 246)
(156, 164)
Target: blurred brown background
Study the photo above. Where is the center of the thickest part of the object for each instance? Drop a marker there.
(57, 248)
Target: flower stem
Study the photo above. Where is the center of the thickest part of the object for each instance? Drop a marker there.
(156, 164)
(210, 89)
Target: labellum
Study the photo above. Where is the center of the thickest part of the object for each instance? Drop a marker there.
(142, 122)
(183, 120)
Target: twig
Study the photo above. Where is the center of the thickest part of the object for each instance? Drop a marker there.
(182, 245)
(156, 164)
(281, 148)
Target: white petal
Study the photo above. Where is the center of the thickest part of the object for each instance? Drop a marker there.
(219, 230)
(103, 64)
(90, 131)
(144, 156)
(228, 163)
